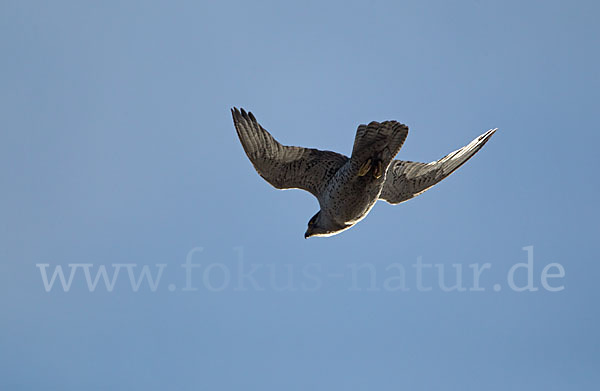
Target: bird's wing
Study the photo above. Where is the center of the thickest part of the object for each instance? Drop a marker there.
(405, 180)
(282, 166)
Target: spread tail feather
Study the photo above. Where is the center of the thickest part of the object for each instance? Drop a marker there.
(380, 140)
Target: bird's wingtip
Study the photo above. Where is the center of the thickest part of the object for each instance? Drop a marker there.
(488, 134)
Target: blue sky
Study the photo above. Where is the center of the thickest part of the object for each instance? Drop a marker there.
(117, 148)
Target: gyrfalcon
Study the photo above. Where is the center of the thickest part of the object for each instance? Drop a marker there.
(347, 188)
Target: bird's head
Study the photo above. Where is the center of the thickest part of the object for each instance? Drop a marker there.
(314, 227)
(319, 225)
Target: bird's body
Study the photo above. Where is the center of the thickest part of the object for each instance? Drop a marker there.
(347, 188)
(348, 198)
(351, 194)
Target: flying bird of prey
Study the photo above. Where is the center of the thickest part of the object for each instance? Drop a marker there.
(347, 187)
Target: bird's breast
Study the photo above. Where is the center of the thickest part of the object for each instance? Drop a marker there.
(349, 199)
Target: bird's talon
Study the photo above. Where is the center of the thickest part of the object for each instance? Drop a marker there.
(378, 171)
(364, 169)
